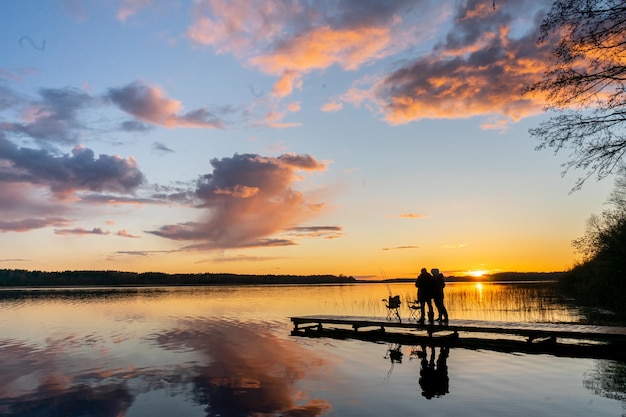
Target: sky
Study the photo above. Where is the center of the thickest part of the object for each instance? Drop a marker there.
(356, 137)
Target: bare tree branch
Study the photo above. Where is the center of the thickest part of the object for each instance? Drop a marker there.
(585, 85)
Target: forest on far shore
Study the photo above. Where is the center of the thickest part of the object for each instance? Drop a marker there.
(24, 278)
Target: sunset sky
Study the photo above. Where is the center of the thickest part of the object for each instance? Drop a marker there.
(364, 138)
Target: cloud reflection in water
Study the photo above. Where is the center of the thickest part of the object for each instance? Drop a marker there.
(240, 369)
(248, 371)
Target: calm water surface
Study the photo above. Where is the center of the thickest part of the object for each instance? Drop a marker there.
(226, 351)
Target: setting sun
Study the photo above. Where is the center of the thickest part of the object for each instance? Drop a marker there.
(477, 273)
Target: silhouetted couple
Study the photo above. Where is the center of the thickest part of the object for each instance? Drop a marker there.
(429, 289)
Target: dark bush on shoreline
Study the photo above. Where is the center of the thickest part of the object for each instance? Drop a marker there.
(596, 284)
(600, 279)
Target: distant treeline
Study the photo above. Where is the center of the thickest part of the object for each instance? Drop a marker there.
(498, 277)
(24, 278)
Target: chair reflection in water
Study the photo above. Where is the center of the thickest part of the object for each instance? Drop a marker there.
(393, 307)
(394, 354)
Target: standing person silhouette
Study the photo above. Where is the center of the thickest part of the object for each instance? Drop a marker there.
(425, 288)
(440, 283)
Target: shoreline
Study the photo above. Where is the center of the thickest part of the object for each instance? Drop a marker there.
(117, 279)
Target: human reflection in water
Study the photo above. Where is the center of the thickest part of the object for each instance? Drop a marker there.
(434, 378)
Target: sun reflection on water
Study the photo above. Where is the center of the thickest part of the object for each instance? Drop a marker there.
(479, 289)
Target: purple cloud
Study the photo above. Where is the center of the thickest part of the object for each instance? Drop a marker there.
(54, 118)
(248, 198)
(79, 231)
(328, 232)
(481, 68)
(134, 126)
(161, 148)
(26, 225)
(149, 104)
(402, 247)
(68, 173)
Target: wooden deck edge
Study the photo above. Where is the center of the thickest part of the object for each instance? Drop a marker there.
(453, 340)
(524, 330)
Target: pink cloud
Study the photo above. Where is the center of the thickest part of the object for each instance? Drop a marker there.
(238, 190)
(293, 38)
(237, 26)
(294, 107)
(240, 258)
(248, 199)
(25, 207)
(402, 247)
(320, 48)
(412, 216)
(126, 233)
(288, 81)
(148, 103)
(130, 7)
(274, 118)
(331, 107)
(23, 200)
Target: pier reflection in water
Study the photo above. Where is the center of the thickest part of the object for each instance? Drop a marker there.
(227, 351)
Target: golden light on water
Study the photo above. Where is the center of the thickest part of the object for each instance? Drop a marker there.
(479, 289)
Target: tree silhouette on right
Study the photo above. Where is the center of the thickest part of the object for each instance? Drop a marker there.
(585, 85)
(600, 279)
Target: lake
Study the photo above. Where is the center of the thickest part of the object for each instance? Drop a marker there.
(227, 351)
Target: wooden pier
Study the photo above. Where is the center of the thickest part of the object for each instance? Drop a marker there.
(574, 340)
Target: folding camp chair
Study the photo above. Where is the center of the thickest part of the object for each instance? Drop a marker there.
(393, 307)
(414, 310)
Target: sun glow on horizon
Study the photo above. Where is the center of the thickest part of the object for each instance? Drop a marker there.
(477, 273)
